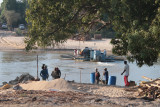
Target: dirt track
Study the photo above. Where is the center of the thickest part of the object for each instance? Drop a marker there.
(48, 99)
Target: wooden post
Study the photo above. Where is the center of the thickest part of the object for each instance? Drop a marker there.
(80, 76)
(147, 78)
(37, 66)
(79, 44)
(64, 76)
(80, 73)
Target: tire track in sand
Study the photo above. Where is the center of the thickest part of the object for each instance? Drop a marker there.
(6, 42)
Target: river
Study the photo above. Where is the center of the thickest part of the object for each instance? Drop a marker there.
(15, 63)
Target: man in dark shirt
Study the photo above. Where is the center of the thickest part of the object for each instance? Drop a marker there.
(105, 74)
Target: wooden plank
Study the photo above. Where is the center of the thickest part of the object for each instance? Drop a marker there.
(147, 78)
(153, 81)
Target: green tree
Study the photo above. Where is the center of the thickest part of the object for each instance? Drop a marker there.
(11, 17)
(53, 22)
(136, 23)
(21, 6)
(18, 6)
(133, 22)
(7, 5)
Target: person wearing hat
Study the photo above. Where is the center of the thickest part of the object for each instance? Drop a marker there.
(105, 74)
(97, 76)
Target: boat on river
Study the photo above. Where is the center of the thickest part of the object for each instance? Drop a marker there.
(89, 54)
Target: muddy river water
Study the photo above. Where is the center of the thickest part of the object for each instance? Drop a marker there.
(15, 63)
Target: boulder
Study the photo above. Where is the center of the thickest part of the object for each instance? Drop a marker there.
(25, 77)
(13, 82)
(22, 79)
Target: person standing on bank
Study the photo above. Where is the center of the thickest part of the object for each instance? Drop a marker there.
(97, 76)
(56, 73)
(105, 74)
(126, 71)
(44, 72)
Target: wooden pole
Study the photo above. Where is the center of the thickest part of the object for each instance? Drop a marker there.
(37, 66)
(80, 73)
(80, 76)
(64, 76)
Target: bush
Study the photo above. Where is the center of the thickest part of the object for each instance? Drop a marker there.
(18, 32)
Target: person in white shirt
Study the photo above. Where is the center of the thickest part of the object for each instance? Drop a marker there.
(126, 71)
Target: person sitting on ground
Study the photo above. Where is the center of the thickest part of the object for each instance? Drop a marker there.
(44, 72)
(105, 74)
(97, 76)
(56, 73)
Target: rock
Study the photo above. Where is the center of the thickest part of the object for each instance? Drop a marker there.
(22, 79)
(13, 82)
(71, 81)
(98, 100)
(34, 98)
(4, 83)
(25, 77)
(17, 78)
(17, 87)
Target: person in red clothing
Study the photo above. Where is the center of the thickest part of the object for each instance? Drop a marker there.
(126, 71)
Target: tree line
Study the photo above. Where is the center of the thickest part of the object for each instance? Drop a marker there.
(12, 12)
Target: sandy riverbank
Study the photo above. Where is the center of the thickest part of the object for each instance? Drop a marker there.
(8, 41)
(94, 44)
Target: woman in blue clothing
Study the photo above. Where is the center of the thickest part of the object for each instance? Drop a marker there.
(44, 72)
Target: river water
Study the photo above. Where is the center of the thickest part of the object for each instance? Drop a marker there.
(15, 63)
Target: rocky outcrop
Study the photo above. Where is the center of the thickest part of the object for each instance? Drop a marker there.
(22, 79)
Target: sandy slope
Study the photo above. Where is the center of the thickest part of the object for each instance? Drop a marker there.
(62, 85)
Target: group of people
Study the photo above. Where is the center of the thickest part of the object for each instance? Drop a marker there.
(106, 74)
(56, 73)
